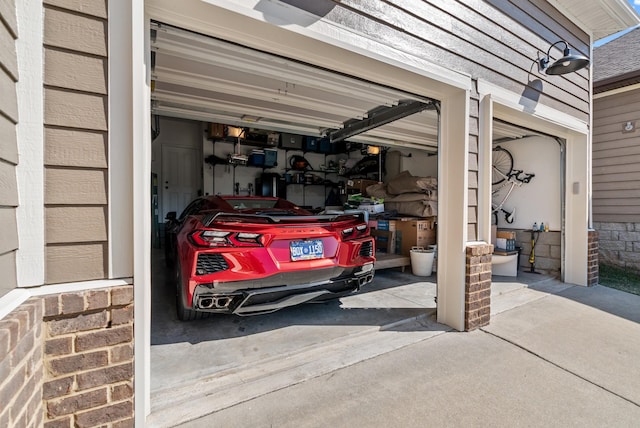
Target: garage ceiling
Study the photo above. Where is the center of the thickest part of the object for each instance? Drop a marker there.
(201, 78)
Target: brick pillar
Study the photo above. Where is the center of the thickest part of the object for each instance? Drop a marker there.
(477, 290)
(21, 367)
(88, 357)
(593, 270)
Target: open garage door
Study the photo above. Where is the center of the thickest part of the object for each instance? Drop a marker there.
(201, 78)
(224, 100)
(528, 185)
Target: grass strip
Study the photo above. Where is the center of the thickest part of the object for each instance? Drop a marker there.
(619, 278)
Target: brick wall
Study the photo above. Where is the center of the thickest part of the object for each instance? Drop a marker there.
(619, 244)
(67, 361)
(88, 358)
(593, 272)
(477, 290)
(21, 368)
(548, 252)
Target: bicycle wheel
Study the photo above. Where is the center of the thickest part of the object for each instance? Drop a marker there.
(502, 165)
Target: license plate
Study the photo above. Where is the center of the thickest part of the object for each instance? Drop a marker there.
(306, 250)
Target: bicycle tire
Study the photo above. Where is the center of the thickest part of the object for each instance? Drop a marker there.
(502, 162)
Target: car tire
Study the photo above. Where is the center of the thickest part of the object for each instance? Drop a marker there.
(184, 313)
(169, 261)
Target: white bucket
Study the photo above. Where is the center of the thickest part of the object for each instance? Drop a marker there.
(421, 261)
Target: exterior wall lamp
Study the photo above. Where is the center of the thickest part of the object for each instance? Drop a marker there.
(567, 64)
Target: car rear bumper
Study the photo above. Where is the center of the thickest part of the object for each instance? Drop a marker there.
(272, 293)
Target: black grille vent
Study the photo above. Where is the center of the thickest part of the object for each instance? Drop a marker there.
(366, 249)
(210, 263)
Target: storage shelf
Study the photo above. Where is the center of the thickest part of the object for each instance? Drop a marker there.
(315, 171)
(246, 166)
(243, 142)
(314, 184)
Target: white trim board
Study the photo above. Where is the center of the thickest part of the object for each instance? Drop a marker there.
(120, 152)
(30, 258)
(309, 38)
(505, 104)
(550, 120)
(13, 299)
(616, 91)
(319, 43)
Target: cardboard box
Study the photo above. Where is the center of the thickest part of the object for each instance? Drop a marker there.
(506, 234)
(387, 226)
(216, 131)
(419, 232)
(359, 185)
(505, 244)
(385, 240)
(505, 240)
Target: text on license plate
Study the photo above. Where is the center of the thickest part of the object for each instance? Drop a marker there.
(306, 250)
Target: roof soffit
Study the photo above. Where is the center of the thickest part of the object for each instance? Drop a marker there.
(601, 18)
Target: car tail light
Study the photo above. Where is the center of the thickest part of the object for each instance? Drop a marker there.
(211, 238)
(248, 238)
(354, 232)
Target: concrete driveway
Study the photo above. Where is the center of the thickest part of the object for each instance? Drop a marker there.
(555, 361)
(230, 359)
(191, 357)
(560, 356)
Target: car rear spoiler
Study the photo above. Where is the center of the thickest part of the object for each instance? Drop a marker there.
(208, 219)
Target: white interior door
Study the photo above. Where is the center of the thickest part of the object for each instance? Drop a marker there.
(180, 182)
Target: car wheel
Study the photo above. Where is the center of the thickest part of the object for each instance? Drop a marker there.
(168, 255)
(184, 313)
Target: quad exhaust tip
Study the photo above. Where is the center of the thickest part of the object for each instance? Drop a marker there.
(224, 302)
(364, 280)
(215, 302)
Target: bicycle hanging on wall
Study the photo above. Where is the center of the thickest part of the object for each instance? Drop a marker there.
(504, 176)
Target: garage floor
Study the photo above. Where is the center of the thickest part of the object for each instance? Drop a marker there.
(207, 356)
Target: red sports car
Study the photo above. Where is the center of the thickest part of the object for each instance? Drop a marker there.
(251, 254)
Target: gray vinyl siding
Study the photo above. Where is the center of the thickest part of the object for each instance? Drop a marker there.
(616, 159)
(494, 40)
(75, 140)
(8, 146)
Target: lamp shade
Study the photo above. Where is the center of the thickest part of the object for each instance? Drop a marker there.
(567, 64)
